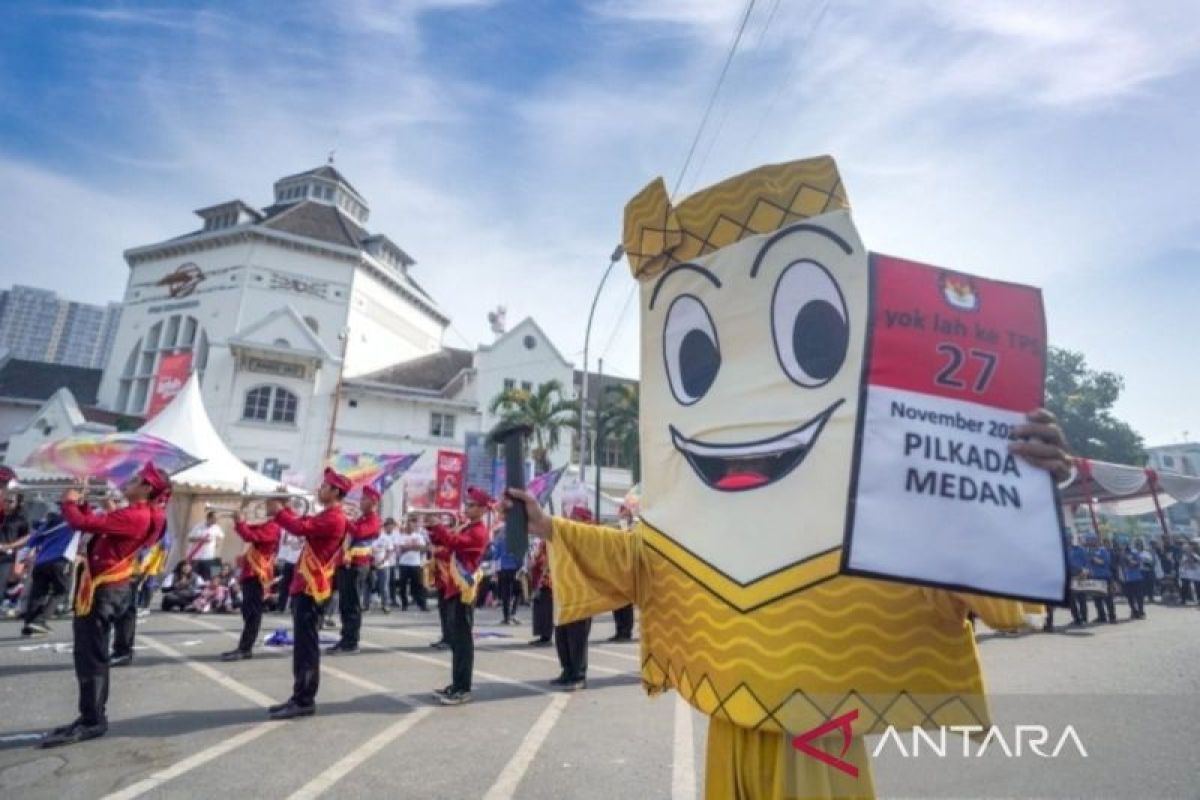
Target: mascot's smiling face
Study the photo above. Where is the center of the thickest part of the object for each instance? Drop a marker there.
(751, 370)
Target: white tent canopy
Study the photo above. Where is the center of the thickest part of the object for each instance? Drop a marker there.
(184, 423)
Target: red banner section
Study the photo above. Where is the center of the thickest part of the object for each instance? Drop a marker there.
(956, 336)
(954, 363)
(450, 466)
(173, 370)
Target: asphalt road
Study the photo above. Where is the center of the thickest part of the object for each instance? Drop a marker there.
(183, 724)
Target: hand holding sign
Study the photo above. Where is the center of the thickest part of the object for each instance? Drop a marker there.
(950, 488)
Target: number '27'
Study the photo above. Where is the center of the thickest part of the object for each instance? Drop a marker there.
(949, 375)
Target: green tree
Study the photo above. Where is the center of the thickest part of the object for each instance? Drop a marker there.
(544, 410)
(1082, 399)
(619, 416)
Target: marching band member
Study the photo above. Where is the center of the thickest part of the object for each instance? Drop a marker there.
(150, 557)
(355, 570)
(571, 639)
(311, 586)
(464, 550)
(103, 592)
(441, 578)
(258, 572)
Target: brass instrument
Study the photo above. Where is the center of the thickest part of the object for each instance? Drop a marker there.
(254, 506)
(54, 489)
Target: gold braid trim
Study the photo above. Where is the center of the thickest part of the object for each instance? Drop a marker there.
(658, 235)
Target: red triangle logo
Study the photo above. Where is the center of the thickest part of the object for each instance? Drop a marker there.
(842, 723)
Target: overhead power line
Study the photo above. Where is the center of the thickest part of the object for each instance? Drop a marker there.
(713, 97)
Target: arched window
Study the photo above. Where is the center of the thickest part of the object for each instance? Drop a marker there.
(270, 404)
(175, 334)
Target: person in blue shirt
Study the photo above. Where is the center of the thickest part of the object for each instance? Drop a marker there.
(507, 565)
(1129, 565)
(1099, 567)
(55, 544)
(1076, 565)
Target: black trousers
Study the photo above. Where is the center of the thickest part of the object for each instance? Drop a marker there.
(285, 581)
(1135, 598)
(543, 614)
(623, 618)
(412, 587)
(1079, 607)
(444, 609)
(91, 650)
(462, 643)
(506, 580)
(252, 611)
(352, 587)
(571, 641)
(1105, 609)
(306, 652)
(125, 626)
(50, 580)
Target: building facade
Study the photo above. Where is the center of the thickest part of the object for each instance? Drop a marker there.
(38, 325)
(312, 338)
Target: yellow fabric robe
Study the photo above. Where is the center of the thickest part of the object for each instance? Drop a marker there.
(901, 655)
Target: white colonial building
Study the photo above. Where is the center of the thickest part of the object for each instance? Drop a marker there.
(311, 337)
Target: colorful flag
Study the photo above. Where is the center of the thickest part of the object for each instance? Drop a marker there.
(113, 457)
(543, 485)
(380, 470)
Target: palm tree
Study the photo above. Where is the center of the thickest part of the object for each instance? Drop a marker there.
(619, 419)
(545, 410)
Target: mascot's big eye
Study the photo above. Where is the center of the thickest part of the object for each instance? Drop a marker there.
(809, 323)
(690, 349)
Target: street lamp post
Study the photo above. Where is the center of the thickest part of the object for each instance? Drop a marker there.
(617, 253)
(597, 450)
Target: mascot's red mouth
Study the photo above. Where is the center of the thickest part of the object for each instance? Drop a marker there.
(742, 466)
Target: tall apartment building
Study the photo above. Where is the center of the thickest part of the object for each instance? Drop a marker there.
(38, 325)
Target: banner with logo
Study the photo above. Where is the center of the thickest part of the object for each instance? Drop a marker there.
(450, 468)
(953, 364)
(480, 464)
(173, 371)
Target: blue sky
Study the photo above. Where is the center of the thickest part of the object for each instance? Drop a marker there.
(497, 142)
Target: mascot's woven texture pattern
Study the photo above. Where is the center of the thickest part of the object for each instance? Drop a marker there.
(902, 655)
(658, 236)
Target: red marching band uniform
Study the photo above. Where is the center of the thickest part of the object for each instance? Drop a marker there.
(103, 594)
(355, 571)
(459, 555)
(311, 586)
(257, 575)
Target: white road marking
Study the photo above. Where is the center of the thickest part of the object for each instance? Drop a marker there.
(21, 737)
(508, 650)
(506, 784)
(683, 765)
(192, 762)
(491, 676)
(208, 754)
(238, 688)
(336, 772)
(615, 654)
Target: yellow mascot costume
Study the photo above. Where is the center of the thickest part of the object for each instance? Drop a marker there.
(754, 296)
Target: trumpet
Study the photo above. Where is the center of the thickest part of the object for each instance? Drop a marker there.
(255, 505)
(53, 489)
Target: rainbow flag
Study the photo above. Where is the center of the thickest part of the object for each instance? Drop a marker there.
(380, 470)
(115, 457)
(543, 485)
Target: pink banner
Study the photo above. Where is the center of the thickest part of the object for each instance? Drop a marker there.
(173, 370)
(450, 466)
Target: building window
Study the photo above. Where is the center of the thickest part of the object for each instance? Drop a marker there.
(1169, 461)
(441, 426)
(613, 455)
(509, 384)
(175, 334)
(270, 404)
(311, 322)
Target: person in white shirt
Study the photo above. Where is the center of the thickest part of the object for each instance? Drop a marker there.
(383, 563)
(204, 543)
(411, 546)
(288, 555)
